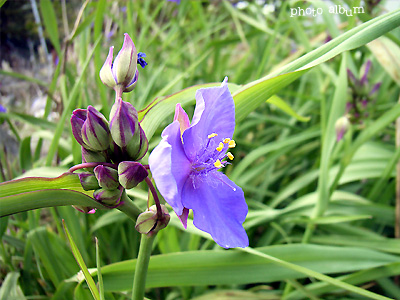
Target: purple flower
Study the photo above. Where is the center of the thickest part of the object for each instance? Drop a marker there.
(176, 1)
(186, 162)
(2, 109)
(141, 60)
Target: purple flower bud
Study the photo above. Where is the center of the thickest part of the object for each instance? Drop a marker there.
(126, 131)
(131, 173)
(95, 132)
(110, 198)
(90, 129)
(352, 78)
(149, 223)
(341, 126)
(106, 74)
(122, 73)
(78, 118)
(132, 84)
(88, 181)
(375, 88)
(84, 209)
(107, 177)
(364, 79)
(92, 156)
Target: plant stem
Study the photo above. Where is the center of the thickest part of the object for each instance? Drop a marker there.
(142, 264)
(129, 208)
(155, 196)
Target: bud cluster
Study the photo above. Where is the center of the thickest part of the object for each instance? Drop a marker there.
(111, 149)
(361, 95)
(361, 98)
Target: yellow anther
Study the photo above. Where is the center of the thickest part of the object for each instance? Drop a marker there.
(218, 164)
(232, 144)
(220, 147)
(212, 135)
(226, 141)
(230, 156)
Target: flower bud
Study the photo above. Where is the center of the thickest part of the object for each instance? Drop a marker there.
(149, 223)
(110, 198)
(107, 177)
(95, 131)
(92, 156)
(90, 129)
(126, 131)
(84, 209)
(123, 123)
(131, 173)
(88, 181)
(78, 118)
(123, 72)
(341, 126)
(106, 75)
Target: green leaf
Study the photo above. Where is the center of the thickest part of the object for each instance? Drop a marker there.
(50, 23)
(250, 96)
(37, 192)
(278, 102)
(10, 288)
(25, 155)
(54, 254)
(197, 268)
(82, 265)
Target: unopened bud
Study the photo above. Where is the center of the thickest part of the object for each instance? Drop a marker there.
(92, 156)
(88, 181)
(90, 129)
(95, 131)
(131, 173)
(149, 223)
(107, 177)
(110, 198)
(126, 131)
(341, 126)
(123, 72)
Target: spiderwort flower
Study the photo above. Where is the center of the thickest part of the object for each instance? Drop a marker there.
(186, 162)
(122, 74)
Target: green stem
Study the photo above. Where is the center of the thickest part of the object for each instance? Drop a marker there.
(142, 264)
(129, 208)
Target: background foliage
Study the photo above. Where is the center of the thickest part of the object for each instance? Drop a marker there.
(315, 205)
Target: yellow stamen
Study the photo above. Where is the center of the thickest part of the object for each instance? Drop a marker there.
(230, 156)
(212, 135)
(226, 141)
(218, 164)
(232, 144)
(220, 147)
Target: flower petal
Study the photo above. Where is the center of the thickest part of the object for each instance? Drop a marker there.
(106, 74)
(170, 166)
(182, 117)
(214, 113)
(219, 208)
